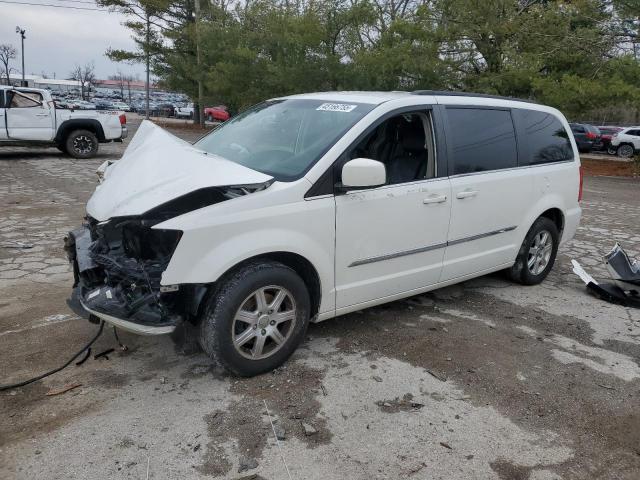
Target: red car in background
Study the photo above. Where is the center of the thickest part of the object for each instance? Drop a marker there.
(607, 133)
(216, 114)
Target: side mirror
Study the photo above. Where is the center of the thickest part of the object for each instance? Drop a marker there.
(363, 173)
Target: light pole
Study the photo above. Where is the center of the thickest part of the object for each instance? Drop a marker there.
(22, 37)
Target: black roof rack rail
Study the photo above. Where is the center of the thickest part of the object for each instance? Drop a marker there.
(449, 93)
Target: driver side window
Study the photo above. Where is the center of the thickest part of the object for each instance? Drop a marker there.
(404, 143)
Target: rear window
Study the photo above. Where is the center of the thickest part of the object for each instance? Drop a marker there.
(483, 139)
(546, 139)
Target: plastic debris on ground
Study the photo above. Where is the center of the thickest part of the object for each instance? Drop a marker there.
(625, 273)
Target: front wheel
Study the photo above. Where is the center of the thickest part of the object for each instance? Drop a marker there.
(537, 253)
(81, 144)
(625, 151)
(256, 318)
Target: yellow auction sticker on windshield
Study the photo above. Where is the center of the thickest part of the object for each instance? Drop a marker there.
(336, 107)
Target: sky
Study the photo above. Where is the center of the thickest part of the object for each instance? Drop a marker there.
(57, 39)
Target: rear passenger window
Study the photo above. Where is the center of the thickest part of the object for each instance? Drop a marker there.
(482, 139)
(546, 138)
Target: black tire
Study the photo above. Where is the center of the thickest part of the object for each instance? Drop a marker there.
(612, 150)
(625, 150)
(520, 271)
(81, 144)
(217, 319)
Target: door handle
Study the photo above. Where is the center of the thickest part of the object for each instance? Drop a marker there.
(466, 194)
(42, 114)
(435, 199)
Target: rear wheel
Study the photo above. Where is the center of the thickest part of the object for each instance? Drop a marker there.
(611, 150)
(81, 144)
(256, 318)
(537, 253)
(625, 151)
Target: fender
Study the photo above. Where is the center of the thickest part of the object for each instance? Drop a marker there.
(77, 123)
(219, 237)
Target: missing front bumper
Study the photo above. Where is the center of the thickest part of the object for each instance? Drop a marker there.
(101, 291)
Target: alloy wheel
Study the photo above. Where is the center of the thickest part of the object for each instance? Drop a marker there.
(540, 252)
(264, 322)
(625, 151)
(82, 144)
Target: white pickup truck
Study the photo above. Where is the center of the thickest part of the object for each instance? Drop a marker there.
(28, 116)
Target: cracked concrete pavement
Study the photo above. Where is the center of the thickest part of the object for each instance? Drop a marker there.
(482, 380)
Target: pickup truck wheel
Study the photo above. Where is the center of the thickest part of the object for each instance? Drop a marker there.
(537, 253)
(256, 318)
(81, 144)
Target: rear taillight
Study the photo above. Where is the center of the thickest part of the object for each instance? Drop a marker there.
(591, 136)
(123, 119)
(581, 182)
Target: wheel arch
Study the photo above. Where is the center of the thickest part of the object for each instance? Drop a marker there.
(69, 126)
(299, 264)
(556, 216)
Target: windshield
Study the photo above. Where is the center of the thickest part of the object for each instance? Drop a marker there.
(283, 138)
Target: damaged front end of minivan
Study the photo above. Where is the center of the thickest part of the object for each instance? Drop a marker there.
(118, 262)
(118, 267)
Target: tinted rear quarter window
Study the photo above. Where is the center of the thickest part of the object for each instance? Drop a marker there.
(482, 139)
(546, 139)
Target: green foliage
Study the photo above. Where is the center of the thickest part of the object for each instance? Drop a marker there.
(576, 55)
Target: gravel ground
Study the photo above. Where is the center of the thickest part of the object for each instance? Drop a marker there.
(482, 380)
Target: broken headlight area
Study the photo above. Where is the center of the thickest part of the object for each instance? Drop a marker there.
(118, 266)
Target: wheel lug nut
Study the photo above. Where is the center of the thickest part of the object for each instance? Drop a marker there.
(272, 322)
(270, 312)
(255, 327)
(264, 332)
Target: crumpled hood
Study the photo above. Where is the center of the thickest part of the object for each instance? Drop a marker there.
(158, 167)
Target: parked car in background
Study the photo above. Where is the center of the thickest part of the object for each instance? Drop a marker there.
(587, 136)
(309, 207)
(82, 105)
(166, 109)
(102, 104)
(607, 133)
(216, 114)
(626, 142)
(120, 106)
(185, 111)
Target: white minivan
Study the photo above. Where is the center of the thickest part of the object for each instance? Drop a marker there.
(307, 207)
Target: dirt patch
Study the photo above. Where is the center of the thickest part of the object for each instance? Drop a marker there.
(608, 168)
(509, 471)
(27, 411)
(487, 354)
(290, 393)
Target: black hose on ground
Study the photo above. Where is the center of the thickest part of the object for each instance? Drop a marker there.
(55, 370)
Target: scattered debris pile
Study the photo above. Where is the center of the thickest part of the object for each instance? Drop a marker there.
(625, 273)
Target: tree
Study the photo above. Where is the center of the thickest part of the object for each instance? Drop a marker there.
(7, 53)
(120, 79)
(85, 77)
